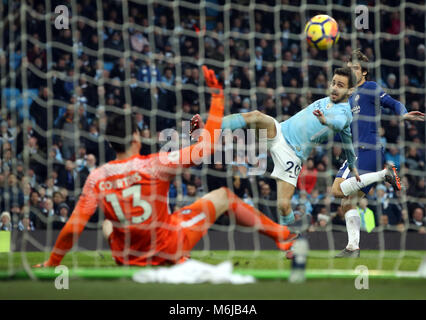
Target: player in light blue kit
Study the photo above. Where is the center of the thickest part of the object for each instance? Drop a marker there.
(290, 142)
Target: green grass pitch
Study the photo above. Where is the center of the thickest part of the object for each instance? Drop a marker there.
(272, 289)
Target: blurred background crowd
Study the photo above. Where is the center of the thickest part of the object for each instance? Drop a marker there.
(56, 86)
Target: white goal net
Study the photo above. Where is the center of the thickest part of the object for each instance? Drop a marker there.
(65, 64)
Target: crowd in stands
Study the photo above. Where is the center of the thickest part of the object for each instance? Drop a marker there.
(51, 124)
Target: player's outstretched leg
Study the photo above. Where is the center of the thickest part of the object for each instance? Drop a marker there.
(246, 215)
(391, 176)
(350, 186)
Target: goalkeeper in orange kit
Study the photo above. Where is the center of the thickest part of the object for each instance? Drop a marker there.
(132, 191)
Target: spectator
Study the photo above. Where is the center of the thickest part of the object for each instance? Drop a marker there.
(62, 216)
(322, 182)
(417, 189)
(302, 219)
(15, 212)
(337, 157)
(191, 194)
(138, 41)
(115, 43)
(385, 207)
(140, 120)
(5, 134)
(418, 222)
(81, 155)
(51, 186)
(393, 155)
(392, 131)
(308, 176)
(413, 160)
(119, 71)
(35, 206)
(5, 221)
(25, 224)
(368, 222)
(216, 176)
(382, 134)
(420, 52)
(241, 186)
(258, 60)
(87, 169)
(339, 218)
(58, 198)
(149, 73)
(267, 201)
(269, 107)
(48, 213)
(38, 110)
(391, 81)
(67, 176)
(26, 189)
(68, 131)
(304, 200)
(323, 219)
(13, 192)
(168, 78)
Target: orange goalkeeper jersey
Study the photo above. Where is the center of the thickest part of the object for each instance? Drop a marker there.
(133, 193)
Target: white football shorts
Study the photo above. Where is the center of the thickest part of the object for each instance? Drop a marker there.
(287, 164)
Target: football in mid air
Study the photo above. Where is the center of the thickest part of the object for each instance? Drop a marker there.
(322, 32)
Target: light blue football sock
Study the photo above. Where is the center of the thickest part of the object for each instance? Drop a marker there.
(234, 121)
(288, 219)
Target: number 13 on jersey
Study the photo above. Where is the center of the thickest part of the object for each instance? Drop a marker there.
(135, 192)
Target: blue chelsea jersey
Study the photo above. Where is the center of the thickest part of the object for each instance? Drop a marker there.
(366, 103)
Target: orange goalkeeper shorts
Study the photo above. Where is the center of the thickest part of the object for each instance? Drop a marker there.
(195, 220)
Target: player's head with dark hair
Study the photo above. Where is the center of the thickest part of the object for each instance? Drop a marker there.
(358, 62)
(342, 84)
(121, 131)
(348, 73)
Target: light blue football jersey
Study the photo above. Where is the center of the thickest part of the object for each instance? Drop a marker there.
(303, 130)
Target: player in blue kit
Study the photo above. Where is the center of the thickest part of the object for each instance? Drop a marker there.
(290, 142)
(365, 103)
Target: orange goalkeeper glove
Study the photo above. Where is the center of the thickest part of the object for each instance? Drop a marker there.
(196, 123)
(212, 81)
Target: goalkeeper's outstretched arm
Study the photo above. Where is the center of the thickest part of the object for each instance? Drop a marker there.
(169, 163)
(69, 234)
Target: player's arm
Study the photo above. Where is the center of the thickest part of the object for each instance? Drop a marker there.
(398, 108)
(84, 209)
(169, 162)
(336, 122)
(346, 137)
(340, 122)
(388, 102)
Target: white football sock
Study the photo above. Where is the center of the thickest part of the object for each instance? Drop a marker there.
(353, 225)
(350, 185)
